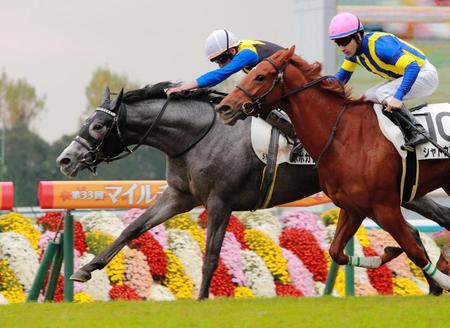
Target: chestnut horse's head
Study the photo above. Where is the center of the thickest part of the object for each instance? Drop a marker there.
(257, 90)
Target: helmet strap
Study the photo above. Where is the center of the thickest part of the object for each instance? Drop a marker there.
(228, 52)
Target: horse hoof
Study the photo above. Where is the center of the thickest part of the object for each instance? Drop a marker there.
(81, 276)
(391, 253)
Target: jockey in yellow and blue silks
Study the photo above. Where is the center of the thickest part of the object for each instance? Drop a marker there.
(407, 70)
(232, 55)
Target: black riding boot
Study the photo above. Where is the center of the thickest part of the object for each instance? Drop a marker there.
(412, 135)
(296, 150)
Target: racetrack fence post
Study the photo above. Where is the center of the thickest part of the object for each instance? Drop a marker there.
(349, 274)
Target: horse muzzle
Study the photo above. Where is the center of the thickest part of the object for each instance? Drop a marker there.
(230, 115)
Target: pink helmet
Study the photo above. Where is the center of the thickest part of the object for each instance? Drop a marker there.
(344, 24)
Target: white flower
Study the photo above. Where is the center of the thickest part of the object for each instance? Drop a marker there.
(21, 257)
(432, 249)
(3, 300)
(263, 220)
(361, 276)
(102, 221)
(187, 250)
(258, 277)
(330, 231)
(161, 293)
(98, 287)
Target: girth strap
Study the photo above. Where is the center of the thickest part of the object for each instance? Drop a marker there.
(269, 171)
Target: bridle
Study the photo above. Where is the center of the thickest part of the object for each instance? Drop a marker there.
(93, 159)
(250, 108)
(256, 103)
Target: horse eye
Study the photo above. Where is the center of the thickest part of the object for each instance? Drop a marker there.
(260, 78)
(97, 127)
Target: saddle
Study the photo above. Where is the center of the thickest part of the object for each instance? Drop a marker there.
(281, 121)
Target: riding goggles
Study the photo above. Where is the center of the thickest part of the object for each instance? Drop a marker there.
(221, 59)
(344, 41)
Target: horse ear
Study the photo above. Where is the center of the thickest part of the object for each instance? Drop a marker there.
(118, 101)
(106, 98)
(291, 51)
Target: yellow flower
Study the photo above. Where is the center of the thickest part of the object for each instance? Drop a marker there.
(184, 222)
(97, 241)
(82, 297)
(17, 223)
(270, 252)
(362, 236)
(243, 292)
(176, 278)
(10, 287)
(331, 216)
(405, 286)
(417, 272)
(116, 269)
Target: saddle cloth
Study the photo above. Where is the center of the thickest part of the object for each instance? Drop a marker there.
(260, 136)
(435, 118)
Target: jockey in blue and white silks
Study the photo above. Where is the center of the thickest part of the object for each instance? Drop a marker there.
(408, 72)
(232, 55)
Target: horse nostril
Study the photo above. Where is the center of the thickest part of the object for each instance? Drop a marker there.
(223, 108)
(64, 161)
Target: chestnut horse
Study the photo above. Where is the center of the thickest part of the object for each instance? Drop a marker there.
(359, 169)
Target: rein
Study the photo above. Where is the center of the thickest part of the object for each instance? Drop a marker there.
(250, 108)
(94, 150)
(147, 133)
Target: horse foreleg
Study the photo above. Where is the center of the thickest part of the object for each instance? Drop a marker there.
(390, 218)
(428, 208)
(218, 217)
(347, 225)
(172, 202)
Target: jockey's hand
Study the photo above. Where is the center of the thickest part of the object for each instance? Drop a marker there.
(169, 91)
(183, 87)
(393, 104)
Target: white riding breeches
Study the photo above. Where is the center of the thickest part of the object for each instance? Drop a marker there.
(426, 83)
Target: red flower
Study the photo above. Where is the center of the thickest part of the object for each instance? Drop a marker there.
(123, 292)
(303, 244)
(50, 221)
(203, 219)
(380, 278)
(234, 226)
(222, 284)
(237, 228)
(156, 258)
(59, 292)
(287, 290)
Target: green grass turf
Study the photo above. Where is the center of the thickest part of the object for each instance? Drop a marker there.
(396, 312)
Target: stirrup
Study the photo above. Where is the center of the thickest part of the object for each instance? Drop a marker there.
(295, 151)
(408, 148)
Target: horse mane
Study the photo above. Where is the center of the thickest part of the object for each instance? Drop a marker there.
(312, 72)
(157, 91)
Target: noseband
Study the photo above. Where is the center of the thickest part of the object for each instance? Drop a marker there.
(93, 150)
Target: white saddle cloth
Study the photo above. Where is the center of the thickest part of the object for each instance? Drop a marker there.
(436, 120)
(260, 132)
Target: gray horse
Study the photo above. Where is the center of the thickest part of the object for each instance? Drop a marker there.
(208, 164)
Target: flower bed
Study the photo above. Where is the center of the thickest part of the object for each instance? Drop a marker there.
(261, 256)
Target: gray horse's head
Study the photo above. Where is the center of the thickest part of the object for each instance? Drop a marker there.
(96, 140)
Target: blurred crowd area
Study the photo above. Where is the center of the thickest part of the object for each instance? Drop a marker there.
(407, 30)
